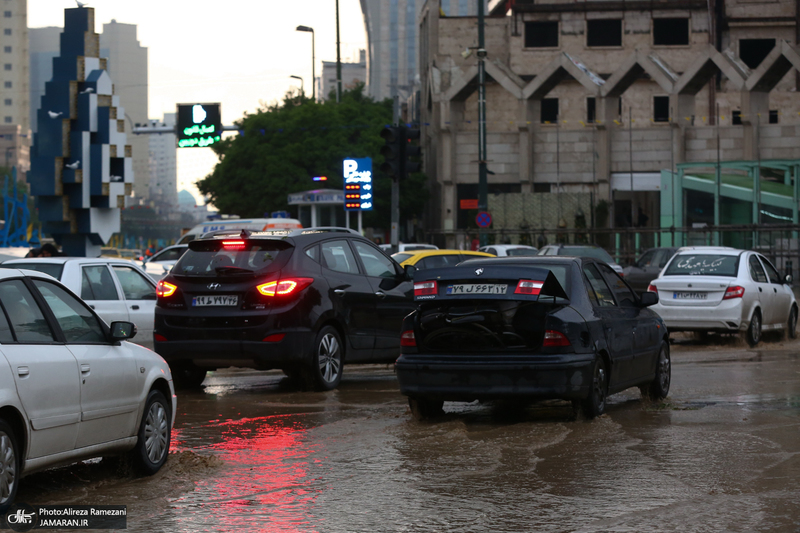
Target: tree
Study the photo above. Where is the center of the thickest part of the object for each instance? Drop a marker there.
(281, 147)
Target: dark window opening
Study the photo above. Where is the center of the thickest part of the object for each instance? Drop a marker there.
(549, 110)
(541, 187)
(661, 108)
(670, 32)
(737, 118)
(773, 116)
(591, 110)
(542, 34)
(753, 51)
(604, 32)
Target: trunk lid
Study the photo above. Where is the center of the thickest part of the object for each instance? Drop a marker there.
(705, 291)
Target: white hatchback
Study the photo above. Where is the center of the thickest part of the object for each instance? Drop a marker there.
(117, 289)
(714, 288)
(72, 387)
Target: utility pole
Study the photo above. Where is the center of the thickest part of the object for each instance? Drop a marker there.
(395, 236)
(338, 59)
(482, 185)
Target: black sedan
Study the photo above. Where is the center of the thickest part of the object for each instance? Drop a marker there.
(530, 328)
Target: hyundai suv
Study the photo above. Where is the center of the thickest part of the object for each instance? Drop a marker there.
(304, 301)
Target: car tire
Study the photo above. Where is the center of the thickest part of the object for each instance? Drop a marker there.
(152, 445)
(595, 404)
(753, 334)
(425, 408)
(659, 387)
(187, 376)
(791, 325)
(325, 371)
(9, 466)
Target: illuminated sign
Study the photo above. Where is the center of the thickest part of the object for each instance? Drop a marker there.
(199, 125)
(358, 184)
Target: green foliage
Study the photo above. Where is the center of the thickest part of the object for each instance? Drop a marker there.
(284, 145)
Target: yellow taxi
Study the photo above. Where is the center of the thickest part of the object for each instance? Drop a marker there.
(423, 259)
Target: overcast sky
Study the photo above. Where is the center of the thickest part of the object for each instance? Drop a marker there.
(236, 52)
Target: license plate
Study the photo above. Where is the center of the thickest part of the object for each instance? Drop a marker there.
(217, 299)
(690, 296)
(486, 288)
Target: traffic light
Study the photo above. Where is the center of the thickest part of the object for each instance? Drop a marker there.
(412, 152)
(392, 151)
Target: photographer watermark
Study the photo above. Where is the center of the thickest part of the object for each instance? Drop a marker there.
(24, 517)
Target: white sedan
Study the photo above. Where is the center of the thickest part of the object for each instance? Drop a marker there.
(116, 289)
(162, 261)
(503, 250)
(72, 387)
(714, 288)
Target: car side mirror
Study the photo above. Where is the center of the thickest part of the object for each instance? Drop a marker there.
(121, 331)
(410, 270)
(788, 279)
(648, 299)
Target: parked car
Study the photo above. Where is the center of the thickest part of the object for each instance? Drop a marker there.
(646, 268)
(531, 328)
(73, 388)
(724, 290)
(162, 261)
(408, 246)
(502, 250)
(116, 289)
(581, 250)
(422, 259)
(305, 302)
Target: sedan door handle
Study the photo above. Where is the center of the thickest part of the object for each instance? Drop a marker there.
(85, 369)
(135, 307)
(760, 289)
(774, 289)
(338, 292)
(380, 294)
(23, 371)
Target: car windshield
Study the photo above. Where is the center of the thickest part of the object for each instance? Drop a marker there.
(52, 269)
(521, 251)
(703, 265)
(218, 258)
(587, 251)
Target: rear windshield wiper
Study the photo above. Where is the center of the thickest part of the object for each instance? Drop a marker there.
(232, 270)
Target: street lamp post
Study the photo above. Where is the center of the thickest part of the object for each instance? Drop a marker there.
(302, 91)
(313, 61)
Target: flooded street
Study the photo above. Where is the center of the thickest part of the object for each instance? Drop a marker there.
(251, 453)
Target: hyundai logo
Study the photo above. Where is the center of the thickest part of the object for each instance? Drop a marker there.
(478, 271)
(213, 286)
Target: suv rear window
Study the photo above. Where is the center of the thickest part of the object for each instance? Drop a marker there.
(228, 257)
(703, 265)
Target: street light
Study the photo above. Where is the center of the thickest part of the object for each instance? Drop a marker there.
(313, 61)
(301, 83)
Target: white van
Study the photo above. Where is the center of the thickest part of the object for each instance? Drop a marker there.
(256, 224)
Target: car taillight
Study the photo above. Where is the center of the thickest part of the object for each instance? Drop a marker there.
(159, 337)
(165, 289)
(275, 337)
(426, 288)
(233, 245)
(652, 288)
(528, 286)
(736, 291)
(408, 339)
(284, 287)
(554, 339)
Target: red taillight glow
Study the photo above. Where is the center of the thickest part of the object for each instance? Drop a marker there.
(233, 245)
(284, 287)
(275, 337)
(733, 292)
(426, 288)
(159, 337)
(554, 339)
(408, 339)
(528, 286)
(165, 290)
(652, 288)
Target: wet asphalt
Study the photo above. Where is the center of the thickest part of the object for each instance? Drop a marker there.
(250, 452)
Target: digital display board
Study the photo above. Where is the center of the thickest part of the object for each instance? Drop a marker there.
(358, 184)
(198, 125)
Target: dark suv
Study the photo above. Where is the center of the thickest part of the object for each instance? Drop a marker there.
(304, 301)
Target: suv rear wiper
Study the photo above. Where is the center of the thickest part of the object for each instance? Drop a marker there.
(232, 270)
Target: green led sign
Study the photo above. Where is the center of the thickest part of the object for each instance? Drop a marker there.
(199, 125)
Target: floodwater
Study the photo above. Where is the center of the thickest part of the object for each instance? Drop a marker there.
(250, 453)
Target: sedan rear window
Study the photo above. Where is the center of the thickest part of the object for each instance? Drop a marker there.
(216, 258)
(521, 251)
(703, 265)
(52, 269)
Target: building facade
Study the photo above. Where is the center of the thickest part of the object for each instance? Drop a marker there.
(163, 165)
(597, 98)
(352, 75)
(43, 45)
(14, 95)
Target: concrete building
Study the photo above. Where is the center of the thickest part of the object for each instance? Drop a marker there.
(14, 99)
(163, 166)
(392, 58)
(127, 66)
(597, 98)
(43, 44)
(352, 74)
